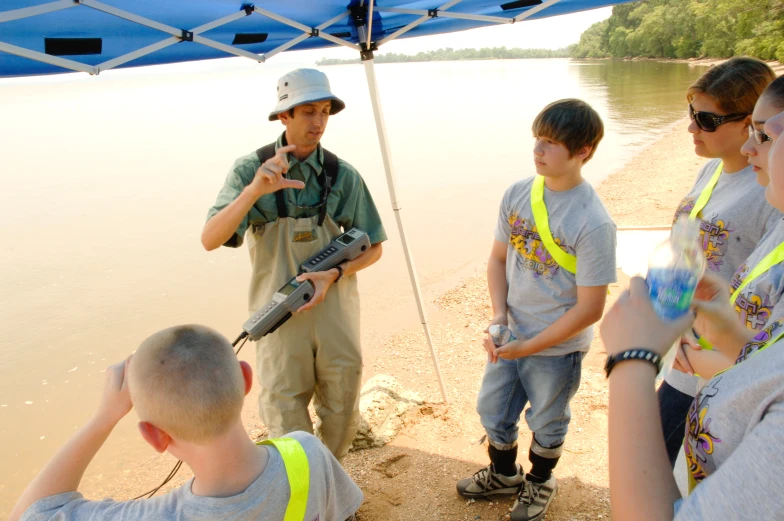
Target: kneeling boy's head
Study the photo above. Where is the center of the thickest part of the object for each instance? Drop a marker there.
(571, 123)
(187, 382)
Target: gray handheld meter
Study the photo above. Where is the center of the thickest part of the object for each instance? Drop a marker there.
(285, 301)
(289, 298)
(346, 246)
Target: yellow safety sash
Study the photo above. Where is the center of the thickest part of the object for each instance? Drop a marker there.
(704, 197)
(692, 482)
(702, 200)
(542, 221)
(771, 259)
(298, 472)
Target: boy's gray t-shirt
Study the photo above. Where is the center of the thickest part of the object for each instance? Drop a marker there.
(541, 291)
(735, 431)
(733, 222)
(332, 496)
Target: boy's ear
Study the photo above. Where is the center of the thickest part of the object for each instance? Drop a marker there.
(584, 153)
(247, 375)
(157, 438)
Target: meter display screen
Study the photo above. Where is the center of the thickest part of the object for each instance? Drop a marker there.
(346, 239)
(289, 288)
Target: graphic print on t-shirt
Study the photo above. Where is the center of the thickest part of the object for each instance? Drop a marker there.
(714, 234)
(759, 341)
(753, 309)
(526, 241)
(700, 441)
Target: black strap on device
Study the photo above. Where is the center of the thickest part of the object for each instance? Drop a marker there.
(327, 178)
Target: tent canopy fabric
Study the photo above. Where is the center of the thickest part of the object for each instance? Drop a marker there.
(47, 37)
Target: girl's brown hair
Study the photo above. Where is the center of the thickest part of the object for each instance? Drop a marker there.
(775, 93)
(735, 84)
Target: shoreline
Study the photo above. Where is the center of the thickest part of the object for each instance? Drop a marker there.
(647, 190)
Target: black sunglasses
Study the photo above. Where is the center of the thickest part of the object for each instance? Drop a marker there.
(759, 136)
(709, 122)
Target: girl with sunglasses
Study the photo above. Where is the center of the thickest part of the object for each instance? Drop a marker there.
(736, 423)
(725, 197)
(757, 287)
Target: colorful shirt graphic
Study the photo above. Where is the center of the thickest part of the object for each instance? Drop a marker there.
(759, 341)
(753, 309)
(700, 442)
(715, 235)
(526, 241)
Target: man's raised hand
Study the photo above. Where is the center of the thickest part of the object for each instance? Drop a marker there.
(270, 177)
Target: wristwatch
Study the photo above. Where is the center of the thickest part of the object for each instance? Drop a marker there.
(340, 272)
(633, 354)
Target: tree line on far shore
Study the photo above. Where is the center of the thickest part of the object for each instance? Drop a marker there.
(688, 29)
(449, 54)
(650, 29)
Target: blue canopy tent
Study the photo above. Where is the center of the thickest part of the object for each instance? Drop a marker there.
(49, 37)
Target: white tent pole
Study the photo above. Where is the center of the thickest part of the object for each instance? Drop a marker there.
(370, 73)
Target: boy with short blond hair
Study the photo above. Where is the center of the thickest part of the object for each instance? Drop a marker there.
(188, 389)
(551, 263)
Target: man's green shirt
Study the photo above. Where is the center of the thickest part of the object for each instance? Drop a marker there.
(350, 203)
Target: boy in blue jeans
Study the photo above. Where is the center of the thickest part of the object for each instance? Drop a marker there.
(551, 262)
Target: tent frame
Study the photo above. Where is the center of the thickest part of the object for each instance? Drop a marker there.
(364, 29)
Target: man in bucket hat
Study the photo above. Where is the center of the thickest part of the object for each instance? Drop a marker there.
(289, 200)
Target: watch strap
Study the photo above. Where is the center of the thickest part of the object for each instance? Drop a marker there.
(644, 355)
(340, 272)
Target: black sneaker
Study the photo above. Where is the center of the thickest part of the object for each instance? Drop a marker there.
(534, 500)
(486, 482)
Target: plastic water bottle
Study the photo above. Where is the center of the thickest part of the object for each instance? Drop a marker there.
(674, 269)
(500, 334)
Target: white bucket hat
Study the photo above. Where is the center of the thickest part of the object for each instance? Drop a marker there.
(304, 86)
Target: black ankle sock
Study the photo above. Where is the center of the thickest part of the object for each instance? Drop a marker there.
(541, 467)
(504, 461)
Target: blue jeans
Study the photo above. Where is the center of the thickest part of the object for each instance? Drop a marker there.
(547, 383)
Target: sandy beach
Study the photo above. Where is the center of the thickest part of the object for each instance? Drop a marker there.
(413, 477)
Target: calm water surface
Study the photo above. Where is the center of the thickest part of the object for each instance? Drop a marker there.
(105, 183)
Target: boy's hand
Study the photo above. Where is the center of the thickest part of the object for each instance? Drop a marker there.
(487, 343)
(511, 351)
(632, 323)
(116, 399)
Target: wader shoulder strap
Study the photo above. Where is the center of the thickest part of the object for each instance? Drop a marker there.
(326, 178)
(268, 152)
(704, 197)
(298, 472)
(542, 221)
